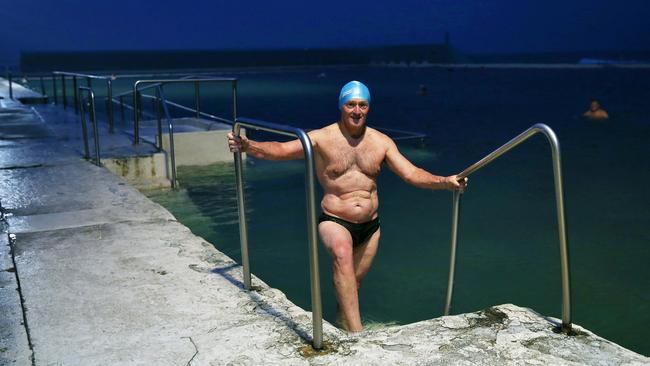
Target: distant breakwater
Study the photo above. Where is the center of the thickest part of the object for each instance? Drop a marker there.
(44, 61)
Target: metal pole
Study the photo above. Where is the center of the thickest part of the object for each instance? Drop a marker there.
(54, 89)
(455, 212)
(241, 205)
(42, 85)
(93, 116)
(136, 120)
(172, 151)
(316, 302)
(197, 99)
(159, 116)
(63, 93)
(76, 100)
(111, 119)
(84, 128)
(562, 230)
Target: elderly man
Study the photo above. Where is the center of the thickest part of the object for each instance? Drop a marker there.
(348, 158)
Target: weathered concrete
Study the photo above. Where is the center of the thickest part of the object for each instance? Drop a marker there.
(142, 172)
(20, 93)
(196, 141)
(14, 348)
(109, 277)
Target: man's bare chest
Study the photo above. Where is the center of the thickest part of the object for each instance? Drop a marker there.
(339, 159)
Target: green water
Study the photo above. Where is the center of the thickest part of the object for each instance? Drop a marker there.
(508, 248)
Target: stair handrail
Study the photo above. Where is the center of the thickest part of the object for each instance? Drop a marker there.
(561, 218)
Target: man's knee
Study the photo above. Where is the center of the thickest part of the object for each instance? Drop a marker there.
(341, 251)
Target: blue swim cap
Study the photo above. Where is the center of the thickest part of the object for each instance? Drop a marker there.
(353, 90)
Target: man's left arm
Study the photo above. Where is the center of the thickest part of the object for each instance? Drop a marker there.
(418, 176)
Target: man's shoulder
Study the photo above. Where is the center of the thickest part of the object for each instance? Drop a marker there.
(322, 131)
(378, 135)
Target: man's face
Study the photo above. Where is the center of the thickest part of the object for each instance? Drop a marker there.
(594, 106)
(354, 112)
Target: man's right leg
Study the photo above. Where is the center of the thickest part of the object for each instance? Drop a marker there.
(338, 242)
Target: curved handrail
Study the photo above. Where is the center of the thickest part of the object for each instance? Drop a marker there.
(93, 118)
(109, 91)
(137, 87)
(561, 219)
(317, 312)
(170, 126)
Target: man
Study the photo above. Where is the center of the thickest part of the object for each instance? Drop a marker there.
(348, 158)
(595, 112)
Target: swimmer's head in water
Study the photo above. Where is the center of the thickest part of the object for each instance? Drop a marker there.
(353, 90)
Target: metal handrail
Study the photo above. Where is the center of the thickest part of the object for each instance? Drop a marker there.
(137, 88)
(89, 78)
(170, 124)
(317, 312)
(188, 109)
(152, 86)
(93, 117)
(561, 219)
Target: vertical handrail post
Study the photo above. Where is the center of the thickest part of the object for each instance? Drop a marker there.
(455, 213)
(170, 123)
(84, 128)
(63, 92)
(241, 205)
(316, 302)
(76, 100)
(136, 119)
(159, 117)
(56, 101)
(109, 106)
(561, 226)
(93, 116)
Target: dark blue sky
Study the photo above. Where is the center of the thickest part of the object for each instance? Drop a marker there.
(479, 26)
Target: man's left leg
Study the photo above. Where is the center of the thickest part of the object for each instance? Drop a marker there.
(363, 256)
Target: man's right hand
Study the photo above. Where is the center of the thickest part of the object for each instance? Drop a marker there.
(237, 143)
(455, 183)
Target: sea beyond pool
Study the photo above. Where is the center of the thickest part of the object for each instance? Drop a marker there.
(508, 243)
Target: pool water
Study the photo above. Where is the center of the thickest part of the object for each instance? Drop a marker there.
(508, 243)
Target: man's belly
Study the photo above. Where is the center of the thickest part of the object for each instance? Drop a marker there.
(355, 207)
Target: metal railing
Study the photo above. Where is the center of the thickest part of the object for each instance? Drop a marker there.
(162, 105)
(317, 312)
(93, 118)
(142, 85)
(89, 78)
(561, 220)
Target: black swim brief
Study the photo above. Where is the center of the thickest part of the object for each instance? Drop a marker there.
(360, 232)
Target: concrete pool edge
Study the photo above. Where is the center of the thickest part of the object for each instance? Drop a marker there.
(110, 277)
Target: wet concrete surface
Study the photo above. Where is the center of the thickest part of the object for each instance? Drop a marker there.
(108, 277)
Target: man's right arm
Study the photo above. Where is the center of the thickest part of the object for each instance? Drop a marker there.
(271, 150)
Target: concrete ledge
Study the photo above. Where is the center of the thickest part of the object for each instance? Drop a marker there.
(109, 277)
(142, 172)
(14, 347)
